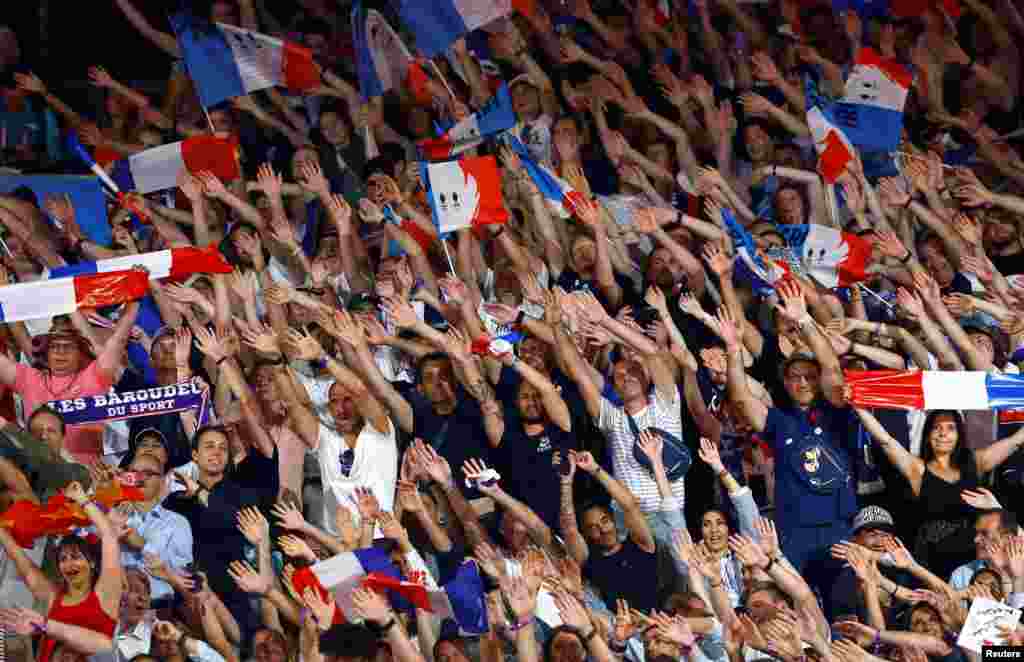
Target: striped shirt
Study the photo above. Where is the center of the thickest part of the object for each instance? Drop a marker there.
(614, 423)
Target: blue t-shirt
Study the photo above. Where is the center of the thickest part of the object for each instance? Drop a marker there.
(814, 479)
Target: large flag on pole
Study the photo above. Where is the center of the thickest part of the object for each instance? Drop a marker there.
(157, 168)
(935, 389)
(62, 296)
(464, 193)
(342, 574)
(438, 23)
(383, 61)
(496, 116)
(831, 257)
(85, 192)
(461, 599)
(171, 263)
(871, 112)
(226, 62)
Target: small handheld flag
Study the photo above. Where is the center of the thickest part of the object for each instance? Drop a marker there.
(464, 193)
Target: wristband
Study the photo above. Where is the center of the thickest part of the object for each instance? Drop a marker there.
(520, 317)
(906, 258)
(222, 359)
(519, 625)
(593, 633)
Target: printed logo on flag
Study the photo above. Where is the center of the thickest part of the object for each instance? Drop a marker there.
(466, 192)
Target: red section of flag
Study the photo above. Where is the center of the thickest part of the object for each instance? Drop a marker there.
(105, 156)
(414, 593)
(418, 234)
(214, 153)
(889, 389)
(524, 7)
(854, 268)
(300, 71)
(834, 157)
(189, 260)
(304, 578)
(108, 289)
(418, 81)
(890, 66)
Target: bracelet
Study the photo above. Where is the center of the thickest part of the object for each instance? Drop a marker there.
(771, 562)
(222, 359)
(906, 258)
(519, 625)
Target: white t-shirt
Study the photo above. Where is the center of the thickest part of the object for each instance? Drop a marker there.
(614, 423)
(375, 467)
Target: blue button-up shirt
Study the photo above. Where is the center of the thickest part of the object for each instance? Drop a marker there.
(167, 535)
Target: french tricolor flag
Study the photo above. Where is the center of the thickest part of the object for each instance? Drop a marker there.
(226, 62)
(935, 389)
(177, 263)
(438, 23)
(461, 599)
(872, 109)
(62, 296)
(383, 61)
(761, 273)
(833, 258)
(496, 116)
(344, 573)
(834, 149)
(464, 193)
(157, 168)
(555, 190)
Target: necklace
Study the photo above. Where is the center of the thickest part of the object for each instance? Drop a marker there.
(48, 376)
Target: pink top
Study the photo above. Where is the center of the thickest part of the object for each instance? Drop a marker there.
(37, 387)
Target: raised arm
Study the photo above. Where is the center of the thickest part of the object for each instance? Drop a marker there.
(565, 349)
(749, 406)
(574, 541)
(911, 466)
(519, 511)
(109, 360)
(111, 580)
(636, 522)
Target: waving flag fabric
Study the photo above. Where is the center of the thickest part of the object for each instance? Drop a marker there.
(833, 147)
(464, 193)
(833, 258)
(496, 116)
(438, 23)
(85, 192)
(762, 274)
(344, 573)
(172, 263)
(226, 62)
(157, 168)
(62, 296)
(26, 521)
(461, 599)
(554, 189)
(935, 389)
(383, 61)
(897, 8)
(871, 112)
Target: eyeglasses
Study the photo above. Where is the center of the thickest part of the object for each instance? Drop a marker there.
(348, 458)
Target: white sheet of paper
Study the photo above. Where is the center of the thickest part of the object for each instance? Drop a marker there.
(983, 624)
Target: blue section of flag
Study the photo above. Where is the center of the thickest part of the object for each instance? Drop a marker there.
(77, 269)
(750, 266)
(1005, 391)
(497, 114)
(3, 313)
(546, 184)
(375, 560)
(868, 127)
(466, 595)
(370, 84)
(86, 195)
(208, 58)
(121, 173)
(795, 236)
(435, 24)
(866, 8)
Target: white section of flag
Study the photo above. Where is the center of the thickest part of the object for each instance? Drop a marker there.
(954, 390)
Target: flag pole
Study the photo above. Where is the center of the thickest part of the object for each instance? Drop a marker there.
(209, 121)
(865, 288)
(451, 265)
(444, 82)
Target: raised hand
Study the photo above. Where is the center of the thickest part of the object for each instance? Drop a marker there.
(30, 83)
(708, 453)
(212, 186)
(891, 193)
(982, 499)
(371, 606)
(367, 504)
(296, 547)
(289, 515)
(247, 579)
(489, 560)
(927, 287)
(651, 445)
(269, 181)
(718, 261)
(321, 609)
(25, 622)
(794, 300)
(303, 345)
(253, 525)
(749, 553)
(312, 179)
(474, 469)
